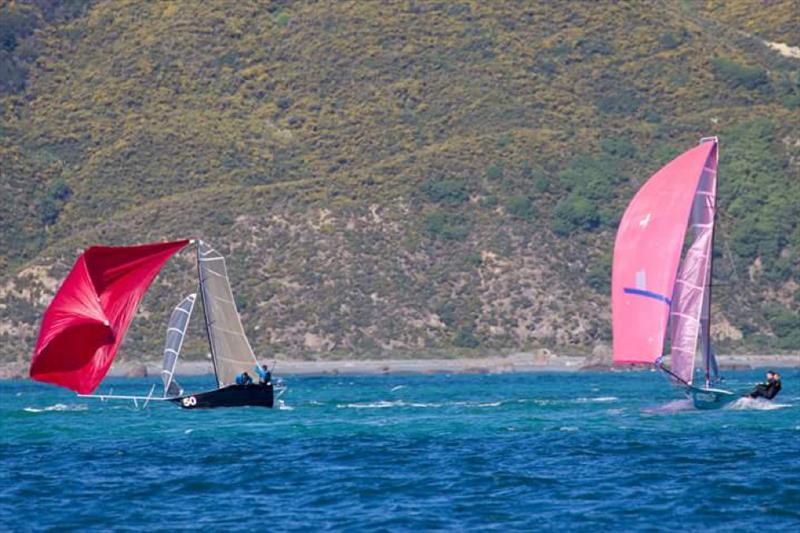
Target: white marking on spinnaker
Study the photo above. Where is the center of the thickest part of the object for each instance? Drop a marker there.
(641, 280)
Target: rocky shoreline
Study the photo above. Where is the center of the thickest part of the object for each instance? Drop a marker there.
(518, 362)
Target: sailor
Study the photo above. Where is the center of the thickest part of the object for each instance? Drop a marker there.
(264, 375)
(770, 389)
(244, 379)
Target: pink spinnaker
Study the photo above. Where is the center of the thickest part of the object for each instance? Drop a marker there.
(647, 252)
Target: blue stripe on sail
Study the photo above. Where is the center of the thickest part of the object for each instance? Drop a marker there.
(648, 294)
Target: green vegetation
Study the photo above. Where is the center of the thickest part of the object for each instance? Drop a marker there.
(446, 225)
(372, 166)
(592, 183)
(520, 207)
(737, 75)
(465, 338)
(445, 191)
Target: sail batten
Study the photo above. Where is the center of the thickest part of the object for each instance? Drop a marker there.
(176, 333)
(230, 348)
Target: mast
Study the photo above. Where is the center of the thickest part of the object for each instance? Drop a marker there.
(205, 313)
(707, 332)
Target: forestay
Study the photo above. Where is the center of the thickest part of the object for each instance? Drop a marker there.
(176, 332)
(230, 349)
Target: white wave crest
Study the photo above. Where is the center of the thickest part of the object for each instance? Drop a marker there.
(56, 407)
(599, 399)
(755, 404)
(283, 407)
(383, 404)
(372, 405)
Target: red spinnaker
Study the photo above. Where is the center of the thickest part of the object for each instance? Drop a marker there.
(646, 256)
(86, 322)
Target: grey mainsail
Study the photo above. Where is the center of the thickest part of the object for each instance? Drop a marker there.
(176, 332)
(230, 349)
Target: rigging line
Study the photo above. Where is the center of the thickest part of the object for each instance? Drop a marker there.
(671, 373)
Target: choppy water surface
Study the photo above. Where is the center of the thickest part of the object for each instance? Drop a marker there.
(524, 451)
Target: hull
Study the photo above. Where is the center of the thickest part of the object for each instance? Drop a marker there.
(707, 399)
(230, 396)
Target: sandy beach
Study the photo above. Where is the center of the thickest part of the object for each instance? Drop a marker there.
(542, 361)
(517, 362)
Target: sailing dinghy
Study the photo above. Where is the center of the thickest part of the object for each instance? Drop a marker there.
(655, 288)
(86, 322)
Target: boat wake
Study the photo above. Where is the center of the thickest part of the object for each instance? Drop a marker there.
(675, 406)
(755, 404)
(57, 407)
(385, 404)
(599, 399)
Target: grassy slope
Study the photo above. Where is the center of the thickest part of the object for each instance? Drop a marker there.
(304, 140)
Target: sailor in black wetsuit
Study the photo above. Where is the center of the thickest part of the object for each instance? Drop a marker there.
(770, 389)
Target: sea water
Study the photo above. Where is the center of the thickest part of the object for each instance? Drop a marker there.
(396, 453)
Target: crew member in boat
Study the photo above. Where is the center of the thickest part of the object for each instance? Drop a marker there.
(770, 388)
(264, 375)
(244, 379)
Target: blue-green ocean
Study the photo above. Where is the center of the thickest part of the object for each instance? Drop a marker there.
(570, 452)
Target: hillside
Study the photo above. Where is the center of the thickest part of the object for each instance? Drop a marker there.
(412, 178)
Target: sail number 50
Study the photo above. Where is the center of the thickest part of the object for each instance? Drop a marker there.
(189, 401)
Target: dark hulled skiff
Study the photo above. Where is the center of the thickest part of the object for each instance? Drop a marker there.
(86, 322)
(230, 396)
